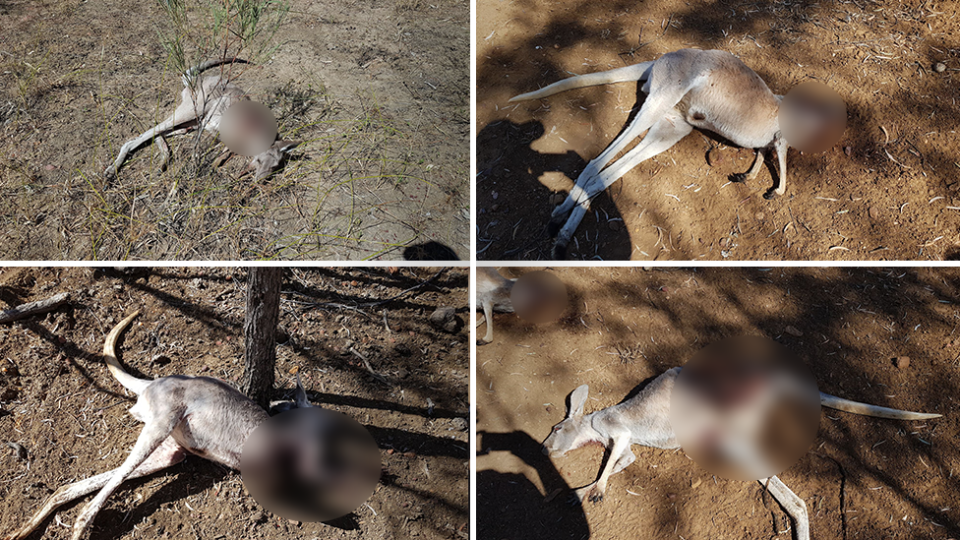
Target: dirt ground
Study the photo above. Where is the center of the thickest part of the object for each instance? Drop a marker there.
(887, 191)
(63, 407)
(378, 90)
(862, 478)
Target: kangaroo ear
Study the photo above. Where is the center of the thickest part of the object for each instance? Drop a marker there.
(301, 395)
(577, 400)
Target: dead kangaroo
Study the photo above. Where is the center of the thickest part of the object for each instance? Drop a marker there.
(203, 104)
(493, 294)
(686, 89)
(182, 415)
(645, 420)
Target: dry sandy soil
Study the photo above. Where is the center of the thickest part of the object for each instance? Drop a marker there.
(862, 478)
(379, 90)
(887, 191)
(63, 407)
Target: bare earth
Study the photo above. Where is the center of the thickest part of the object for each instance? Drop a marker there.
(378, 90)
(862, 478)
(59, 402)
(887, 191)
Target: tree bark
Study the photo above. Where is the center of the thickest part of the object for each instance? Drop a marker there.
(260, 332)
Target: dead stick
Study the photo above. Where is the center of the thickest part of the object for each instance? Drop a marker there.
(385, 325)
(366, 363)
(33, 308)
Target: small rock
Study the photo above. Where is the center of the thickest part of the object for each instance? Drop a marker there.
(873, 212)
(445, 318)
(615, 226)
(557, 198)
(902, 362)
(460, 424)
(793, 331)
(939, 67)
(848, 150)
(759, 216)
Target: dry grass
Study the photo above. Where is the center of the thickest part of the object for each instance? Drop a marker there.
(334, 198)
(362, 184)
(345, 193)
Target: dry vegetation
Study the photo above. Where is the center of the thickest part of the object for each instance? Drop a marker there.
(379, 94)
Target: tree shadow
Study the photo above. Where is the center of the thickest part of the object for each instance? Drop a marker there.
(535, 47)
(510, 502)
(515, 207)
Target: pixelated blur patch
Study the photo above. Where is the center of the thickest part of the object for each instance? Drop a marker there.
(745, 408)
(248, 128)
(310, 464)
(538, 297)
(812, 117)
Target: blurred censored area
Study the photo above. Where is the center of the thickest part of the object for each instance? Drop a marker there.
(745, 408)
(813, 117)
(248, 128)
(539, 297)
(310, 464)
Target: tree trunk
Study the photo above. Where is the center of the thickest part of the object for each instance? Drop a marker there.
(260, 332)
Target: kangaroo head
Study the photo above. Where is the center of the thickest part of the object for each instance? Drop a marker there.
(575, 430)
(266, 162)
(300, 401)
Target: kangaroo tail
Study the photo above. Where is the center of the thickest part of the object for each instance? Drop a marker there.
(197, 70)
(866, 409)
(636, 72)
(128, 381)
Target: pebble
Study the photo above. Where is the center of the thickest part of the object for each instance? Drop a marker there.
(940, 67)
(793, 331)
(445, 318)
(873, 212)
(903, 362)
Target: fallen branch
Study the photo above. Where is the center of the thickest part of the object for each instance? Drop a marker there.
(366, 363)
(385, 325)
(33, 308)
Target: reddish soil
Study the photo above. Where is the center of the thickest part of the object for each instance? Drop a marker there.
(887, 191)
(63, 407)
(862, 478)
